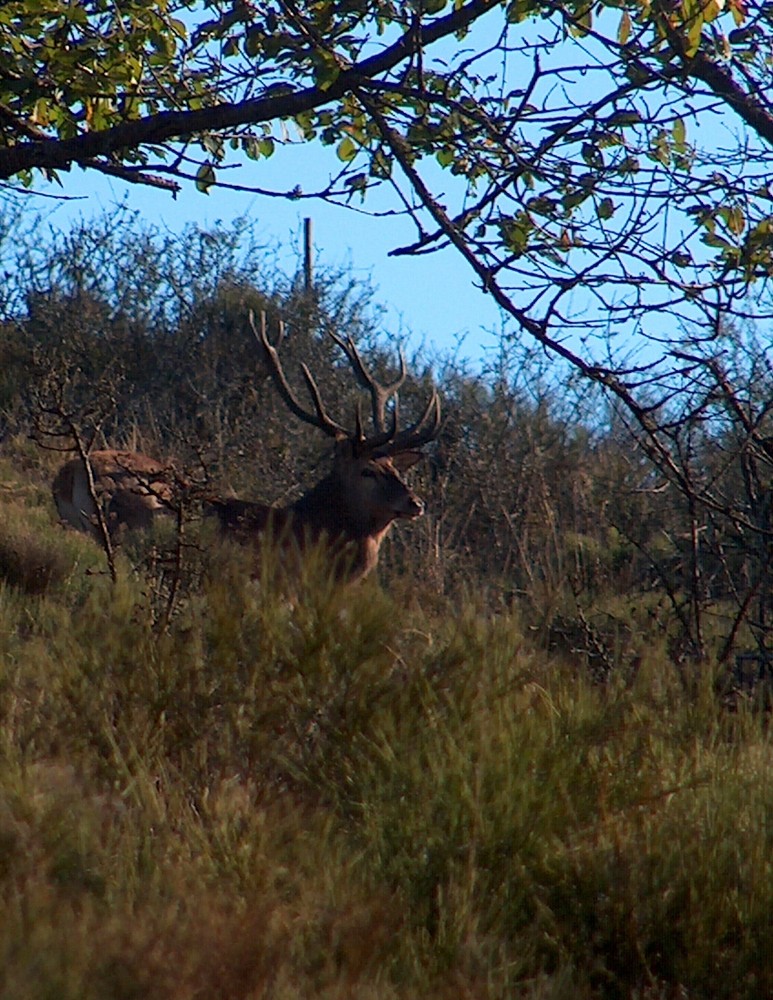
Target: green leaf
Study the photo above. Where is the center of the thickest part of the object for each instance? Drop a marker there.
(178, 27)
(213, 144)
(542, 205)
(445, 157)
(515, 232)
(624, 28)
(41, 112)
(583, 22)
(519, 10)
(622, 118)
(205, 178)
(574, 198)
(712, 10)
(739, 11)
(679, 258)
(733, 218)
(679, 133)
(380, 165)
(592, 155)
(326, 72)
(661, 149)
(251, 147)
(346, 150)
(628, 165)
(605, 208)
(694, 34)
(357, 183)
(713, 240)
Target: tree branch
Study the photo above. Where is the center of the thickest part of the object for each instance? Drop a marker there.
(133, 175)
(721, 83)
(602, 376)
(62, 153)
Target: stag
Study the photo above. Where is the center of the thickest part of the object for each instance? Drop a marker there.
(351, 510)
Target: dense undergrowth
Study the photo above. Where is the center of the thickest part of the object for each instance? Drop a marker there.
(285, 791)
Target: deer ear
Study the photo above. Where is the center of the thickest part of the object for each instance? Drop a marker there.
(406, 460)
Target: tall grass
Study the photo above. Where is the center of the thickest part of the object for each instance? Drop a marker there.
(296, 792)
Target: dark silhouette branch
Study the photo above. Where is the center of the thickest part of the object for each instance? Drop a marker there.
(721, 83)
(52, 153)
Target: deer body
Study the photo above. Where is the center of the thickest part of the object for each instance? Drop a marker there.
(131, 489)
(350, 511)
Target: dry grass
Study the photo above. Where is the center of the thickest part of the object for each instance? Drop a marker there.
(28, 562)
(300, 793)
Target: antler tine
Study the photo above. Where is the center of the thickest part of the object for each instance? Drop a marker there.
(325, 422)
(375, 443)
(380, 394)
(319, 419)
(424, 430)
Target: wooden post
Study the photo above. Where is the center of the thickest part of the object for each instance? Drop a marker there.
(308, 246)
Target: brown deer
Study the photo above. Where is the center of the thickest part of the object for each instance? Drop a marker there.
(129, 488)
(350, 510)
(353, 507)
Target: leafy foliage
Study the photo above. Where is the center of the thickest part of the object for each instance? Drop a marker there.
(545, 176)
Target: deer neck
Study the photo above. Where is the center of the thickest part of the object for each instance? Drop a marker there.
(325, 509)
(324, 513)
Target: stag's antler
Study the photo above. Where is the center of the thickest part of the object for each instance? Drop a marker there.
(321, 418)
(387, 440)
(413, 438)
(379, 394)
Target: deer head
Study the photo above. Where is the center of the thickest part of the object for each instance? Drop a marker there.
(370, 465)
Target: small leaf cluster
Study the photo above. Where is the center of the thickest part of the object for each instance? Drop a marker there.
(74, 67)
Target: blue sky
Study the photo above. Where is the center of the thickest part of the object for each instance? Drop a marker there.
(431, 300)
(428, 300)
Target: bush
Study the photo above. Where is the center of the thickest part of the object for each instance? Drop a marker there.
(297, 791)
